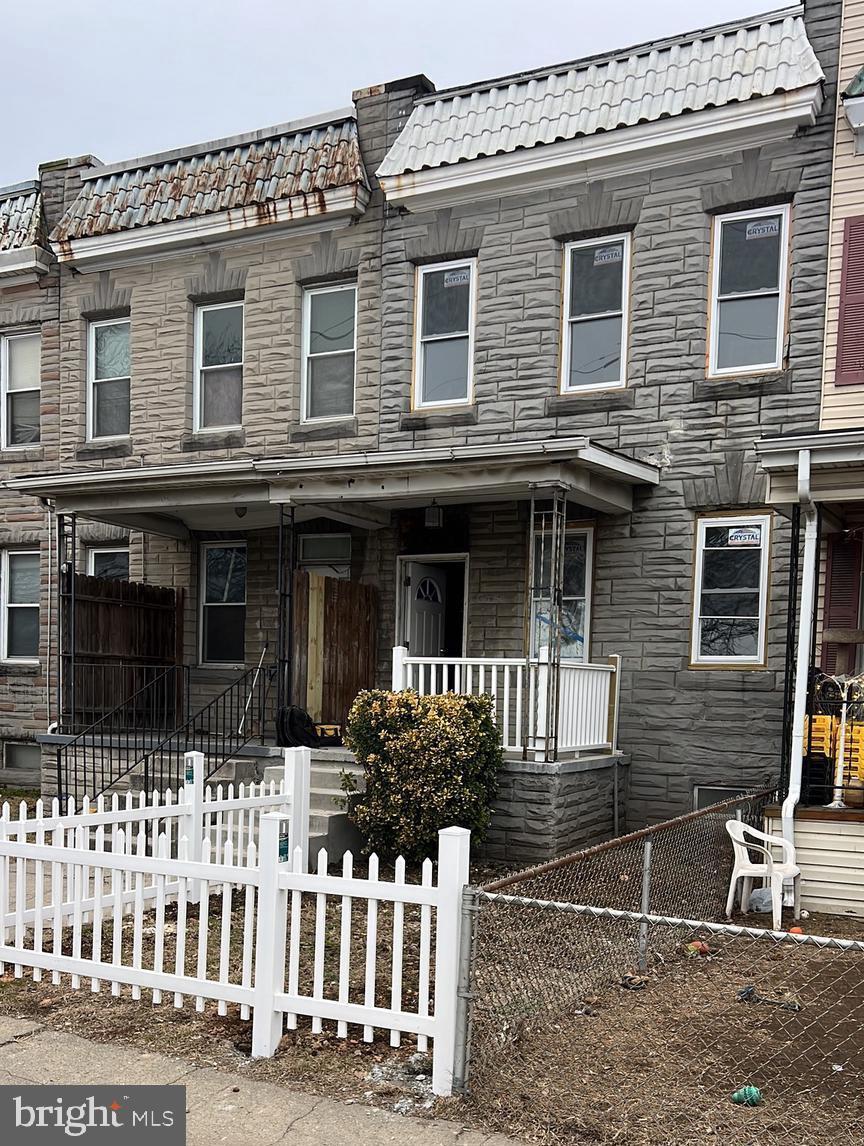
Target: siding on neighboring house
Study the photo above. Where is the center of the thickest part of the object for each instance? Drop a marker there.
(843, 405)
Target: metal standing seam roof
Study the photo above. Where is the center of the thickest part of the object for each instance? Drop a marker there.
(21, 217)
(252, 171)
(700, 70)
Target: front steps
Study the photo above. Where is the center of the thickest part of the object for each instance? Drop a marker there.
(329, 826)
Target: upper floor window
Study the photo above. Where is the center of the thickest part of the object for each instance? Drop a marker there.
(748, 291)
(223, 603)
(20, 375)
(219, 366)
(329, 352)
(445, 333)
(108, 370)
(19, 590)
(730, 606)
(112, 563)
(596, 289)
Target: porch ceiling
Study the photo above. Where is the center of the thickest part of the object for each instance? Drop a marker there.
(836, 466)
(357, 489)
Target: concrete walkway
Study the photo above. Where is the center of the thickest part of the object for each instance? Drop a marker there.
(221, 1107)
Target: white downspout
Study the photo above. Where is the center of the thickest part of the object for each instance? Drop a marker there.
(802, 661)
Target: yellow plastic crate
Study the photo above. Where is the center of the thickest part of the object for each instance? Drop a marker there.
(824, 738)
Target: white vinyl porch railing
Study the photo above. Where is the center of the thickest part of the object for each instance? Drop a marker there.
(587, 696)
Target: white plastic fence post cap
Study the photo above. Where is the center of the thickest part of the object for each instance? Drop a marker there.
(454, 832)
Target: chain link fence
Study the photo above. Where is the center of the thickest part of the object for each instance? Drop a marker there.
(595, 1021)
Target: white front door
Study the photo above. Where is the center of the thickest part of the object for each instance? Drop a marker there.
(425, 594)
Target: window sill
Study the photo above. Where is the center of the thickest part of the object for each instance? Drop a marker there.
(581, 401)
(12, 454)
(213, 440)
(111, 449)
(744, 385)
(429, 419)
(25, 668)
(324, 430)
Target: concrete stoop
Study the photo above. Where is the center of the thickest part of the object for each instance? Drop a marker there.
(329, 826)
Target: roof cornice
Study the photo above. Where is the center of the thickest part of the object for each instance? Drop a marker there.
(694, 136)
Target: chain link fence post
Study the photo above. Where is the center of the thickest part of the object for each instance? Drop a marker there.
(645, 903)
(467, 939)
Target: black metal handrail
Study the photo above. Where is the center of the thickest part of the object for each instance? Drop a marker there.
(98, 683)
(225, 725)
(112, 746)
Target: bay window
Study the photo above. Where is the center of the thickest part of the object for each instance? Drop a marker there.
(731, 590)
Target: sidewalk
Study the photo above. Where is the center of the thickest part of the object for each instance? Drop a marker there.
(221, 1108)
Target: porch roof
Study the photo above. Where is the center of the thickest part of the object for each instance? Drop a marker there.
(836, 464)
(359, 488)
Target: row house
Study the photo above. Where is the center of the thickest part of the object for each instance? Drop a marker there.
(815, 477)
(449, 390)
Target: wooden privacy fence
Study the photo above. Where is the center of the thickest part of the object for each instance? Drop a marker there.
(123, 898)
(114, 637)
(335, 644)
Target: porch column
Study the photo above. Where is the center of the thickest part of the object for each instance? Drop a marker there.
(546, 564)
(285, 592)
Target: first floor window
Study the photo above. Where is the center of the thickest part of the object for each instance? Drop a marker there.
(109, 370)
(219, 366)
(20, 595)
(748, 296)
(223, 603)
(596, 286)
(329, 352)
(20, 377)
(326, 553)
(575, 597)
(110, 563)
(729, 617)
(445, 333)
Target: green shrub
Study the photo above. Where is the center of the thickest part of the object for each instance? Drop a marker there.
(430, 762)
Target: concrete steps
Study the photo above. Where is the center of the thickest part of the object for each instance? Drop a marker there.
(329, 826)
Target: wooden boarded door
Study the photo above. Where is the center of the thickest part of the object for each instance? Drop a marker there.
(335, 643)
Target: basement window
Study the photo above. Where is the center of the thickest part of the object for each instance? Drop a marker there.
(219, 366)
(22, 755)
(329, 352)
(445, 334)
(20, 374)
(729, 615)
(223, 604)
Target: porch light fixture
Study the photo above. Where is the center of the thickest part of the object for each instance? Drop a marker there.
(433, 516)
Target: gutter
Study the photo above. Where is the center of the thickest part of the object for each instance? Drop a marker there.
(802, 661)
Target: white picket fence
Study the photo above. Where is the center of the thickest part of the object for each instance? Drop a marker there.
(124, 897)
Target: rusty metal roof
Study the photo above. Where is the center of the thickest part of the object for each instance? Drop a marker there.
(705, 69)
(285, 162)
(22, 222)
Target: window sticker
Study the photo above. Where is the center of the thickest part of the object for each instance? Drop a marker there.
(604, 255)
(460, 277)
(762, 229)
(746, 535)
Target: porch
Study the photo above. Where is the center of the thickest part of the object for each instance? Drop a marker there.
(297, 584)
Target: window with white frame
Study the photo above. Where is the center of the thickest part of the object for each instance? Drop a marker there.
(19, 592)
(21, 380)
(596, 289)
(109, 371)
(731, 590)
(223, 603)
(445, 333)
(576, 593)
(326, 553)
(329, 352)
(219, 366)
(109, 562)
(748, 295)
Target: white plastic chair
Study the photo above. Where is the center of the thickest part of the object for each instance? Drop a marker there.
(774, 873)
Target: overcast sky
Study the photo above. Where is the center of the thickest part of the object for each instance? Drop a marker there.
(124, 79)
